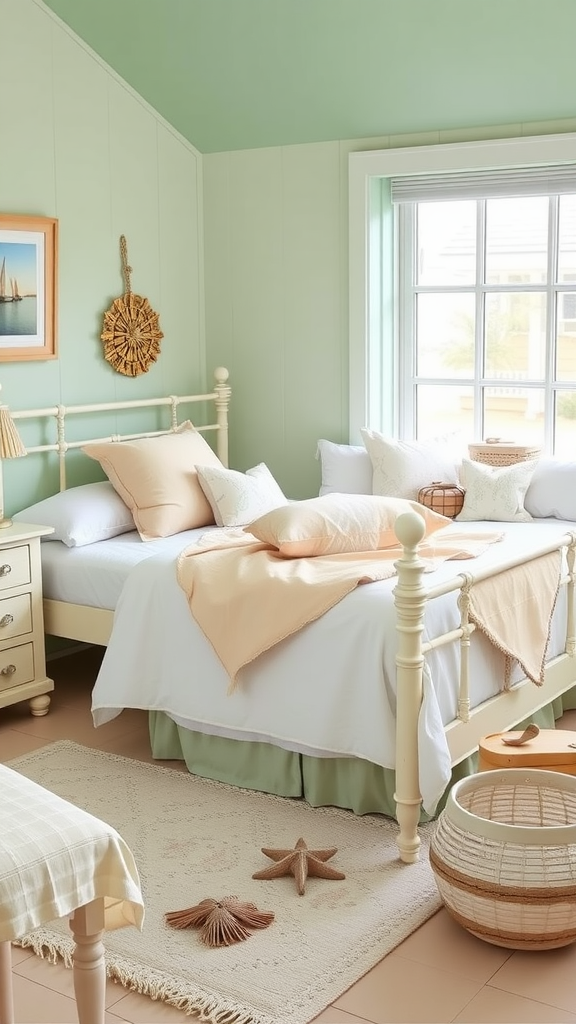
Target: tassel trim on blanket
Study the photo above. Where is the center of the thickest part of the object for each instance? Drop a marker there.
(145, 980)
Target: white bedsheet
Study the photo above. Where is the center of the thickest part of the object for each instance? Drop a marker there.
(329, 690)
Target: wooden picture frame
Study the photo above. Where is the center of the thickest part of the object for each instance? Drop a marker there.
(28, 287)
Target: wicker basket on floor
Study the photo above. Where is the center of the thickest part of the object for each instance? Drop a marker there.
(495, 452)
(504, 857)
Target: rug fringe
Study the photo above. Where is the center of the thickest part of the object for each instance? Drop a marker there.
(147, 982)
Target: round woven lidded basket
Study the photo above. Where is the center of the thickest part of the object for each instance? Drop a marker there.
(496, 452)
(446, 499)
(504, 857)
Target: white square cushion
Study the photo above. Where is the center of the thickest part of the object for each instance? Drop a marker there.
(346, 468)
(401, 468)
(552, 490)
(238, 498)
(156, 477)
(495, 493)
(81, 515)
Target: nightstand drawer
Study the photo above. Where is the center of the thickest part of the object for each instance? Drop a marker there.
(16, 666)
(15, 616)
(14, 567)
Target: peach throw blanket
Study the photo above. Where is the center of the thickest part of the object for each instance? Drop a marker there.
(246, 597)
(514, 609)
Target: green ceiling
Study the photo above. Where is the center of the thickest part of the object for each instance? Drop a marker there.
(239, 74)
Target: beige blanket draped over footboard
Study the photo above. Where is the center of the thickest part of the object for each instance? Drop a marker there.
(246, 597)
(515, 608)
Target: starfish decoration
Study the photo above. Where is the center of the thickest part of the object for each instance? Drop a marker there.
(300, 862)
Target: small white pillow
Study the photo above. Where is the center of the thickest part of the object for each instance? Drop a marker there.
(401, 468)
(552, 490)
(495, 493)
(81, 515)
(346, 468)
(238, 498)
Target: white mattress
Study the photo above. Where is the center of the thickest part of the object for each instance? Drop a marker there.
(328, 690)
(95, 574)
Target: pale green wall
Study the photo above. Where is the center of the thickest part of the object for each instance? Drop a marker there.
(79, 145)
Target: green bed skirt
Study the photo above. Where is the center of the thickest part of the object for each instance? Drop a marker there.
(346, 782)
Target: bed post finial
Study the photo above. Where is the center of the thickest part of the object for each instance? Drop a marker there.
(409, 598)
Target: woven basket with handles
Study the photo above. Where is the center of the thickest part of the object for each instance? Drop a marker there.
(496, 452)
(504, 857)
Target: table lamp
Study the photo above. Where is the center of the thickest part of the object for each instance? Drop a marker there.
(11, 447)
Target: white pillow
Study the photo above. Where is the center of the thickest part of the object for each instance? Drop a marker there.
(238, 498)
(346, 468)
(81, 515)
(401, 468)
(552, 490)
(495, 493)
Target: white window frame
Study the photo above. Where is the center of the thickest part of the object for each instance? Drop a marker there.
(373, 329)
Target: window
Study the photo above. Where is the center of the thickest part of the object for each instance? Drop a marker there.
(483, 349)
(464, 297)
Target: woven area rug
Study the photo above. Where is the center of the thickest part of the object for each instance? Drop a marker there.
(193, 839)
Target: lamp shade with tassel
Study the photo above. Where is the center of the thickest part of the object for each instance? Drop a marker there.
(11, 447)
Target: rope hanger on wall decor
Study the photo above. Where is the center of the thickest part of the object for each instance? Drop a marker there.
(131, 333)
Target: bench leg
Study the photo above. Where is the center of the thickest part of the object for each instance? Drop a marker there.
(89, 969)
(6, 1000)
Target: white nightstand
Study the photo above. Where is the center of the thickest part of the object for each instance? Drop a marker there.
(22, 654)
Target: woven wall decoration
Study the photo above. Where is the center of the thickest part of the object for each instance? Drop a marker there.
(131, 333)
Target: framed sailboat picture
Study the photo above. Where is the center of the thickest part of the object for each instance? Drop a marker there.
(28, 287)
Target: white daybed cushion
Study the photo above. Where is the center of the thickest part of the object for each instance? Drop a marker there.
(81, 515)
(238, 498)
(552, 490)
(401, 468)
(346, 468)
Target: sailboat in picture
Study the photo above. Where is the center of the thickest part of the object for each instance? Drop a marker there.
(16, 297)
(4, 296)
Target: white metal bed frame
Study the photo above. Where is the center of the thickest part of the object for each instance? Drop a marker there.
(80, 622)
(503, 711)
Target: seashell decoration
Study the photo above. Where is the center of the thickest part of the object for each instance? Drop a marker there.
(221, 922)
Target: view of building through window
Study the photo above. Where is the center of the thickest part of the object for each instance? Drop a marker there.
(488, 319)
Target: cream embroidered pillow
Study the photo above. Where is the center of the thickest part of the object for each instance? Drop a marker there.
(401, 468)
(495, 493)
(238, 498)
(338, 523)
(156, 478)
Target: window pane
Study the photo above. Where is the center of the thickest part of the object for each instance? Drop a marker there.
(446, 246)
(515, 330)
(445, 335)
(567, 239)
(517, 240)
(514, 414)
(566, 336)
(565, 424)
(444, 410)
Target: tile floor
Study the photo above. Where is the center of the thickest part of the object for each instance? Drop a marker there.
(439, 974)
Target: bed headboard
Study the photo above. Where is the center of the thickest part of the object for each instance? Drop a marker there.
(219, 396)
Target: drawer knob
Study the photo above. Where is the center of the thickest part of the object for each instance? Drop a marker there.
(7, 620)
(8, 670)
(5, 569)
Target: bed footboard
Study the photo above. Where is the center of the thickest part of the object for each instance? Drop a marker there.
(500, 712)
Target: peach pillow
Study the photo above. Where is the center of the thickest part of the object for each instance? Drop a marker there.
(338, 523)
(156, 478)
